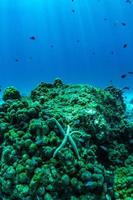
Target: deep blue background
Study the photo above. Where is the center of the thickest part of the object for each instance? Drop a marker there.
(82, 33)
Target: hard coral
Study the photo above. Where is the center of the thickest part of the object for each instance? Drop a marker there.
(11, 93)
(29, 139)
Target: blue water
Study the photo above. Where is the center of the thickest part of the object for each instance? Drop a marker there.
(74, 41)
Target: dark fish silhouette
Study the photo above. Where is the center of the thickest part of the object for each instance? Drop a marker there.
(125, 45)
(110, 82)
(112, 52)
(128, 1)
(123, 76)
(126, 88)
(16, 60)
(130, 73)
(73, 11)
(32, 38)
(123, 23)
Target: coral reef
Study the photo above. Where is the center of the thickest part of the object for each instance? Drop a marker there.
(69, 142)
(11, 93)
(124, 180)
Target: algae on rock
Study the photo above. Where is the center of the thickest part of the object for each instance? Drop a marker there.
(29, 139)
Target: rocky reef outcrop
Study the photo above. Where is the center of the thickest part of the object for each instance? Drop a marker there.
(63, 141)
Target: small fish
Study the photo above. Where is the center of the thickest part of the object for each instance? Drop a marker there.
(128, 1)
(126, 88)
(112, 52)
(130, 73)
(110, 82)
(73, 11)
(32, 38)
(51, 46)
(123, 76)
(123, 24)
(125, 45)
(16, 60)
(89, 183)
(104, 148)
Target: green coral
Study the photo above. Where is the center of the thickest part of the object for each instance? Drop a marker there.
(124, 183)
(33, 128)
(11, 93)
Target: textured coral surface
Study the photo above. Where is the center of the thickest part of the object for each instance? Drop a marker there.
(65, 142)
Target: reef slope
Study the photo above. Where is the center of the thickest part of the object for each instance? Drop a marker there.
(84, 125)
